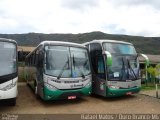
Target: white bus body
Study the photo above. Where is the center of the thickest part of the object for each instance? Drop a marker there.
(8, 70)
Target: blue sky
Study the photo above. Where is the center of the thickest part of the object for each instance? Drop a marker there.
(131, 17)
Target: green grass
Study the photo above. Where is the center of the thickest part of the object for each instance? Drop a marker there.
(144, 87)
(21, 64)
(21, 74)
(149, 87)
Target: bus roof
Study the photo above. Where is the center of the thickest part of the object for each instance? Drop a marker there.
(61, 43)
(57, 43)
(107, 40)
(7, 40)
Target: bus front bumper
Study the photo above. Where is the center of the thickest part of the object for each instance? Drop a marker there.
(8, 94)
(65, 94)
(122, 92)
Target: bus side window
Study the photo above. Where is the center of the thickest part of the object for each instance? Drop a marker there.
(40, 59)
(92, 55)
(100, 67)
(36, 58)
(95, 50)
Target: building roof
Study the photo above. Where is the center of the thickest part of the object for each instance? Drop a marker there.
(26, 48)
(154, 59)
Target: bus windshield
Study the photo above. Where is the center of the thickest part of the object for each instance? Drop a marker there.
(123, 68)
(125, 64)
(66, 62)
(119, 48)
(7, 58)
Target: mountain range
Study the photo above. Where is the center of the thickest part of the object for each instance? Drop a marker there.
(147, 45)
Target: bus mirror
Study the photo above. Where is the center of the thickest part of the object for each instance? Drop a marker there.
(146, 59)
(108, 57)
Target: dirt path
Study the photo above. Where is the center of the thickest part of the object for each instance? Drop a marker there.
(27, 103)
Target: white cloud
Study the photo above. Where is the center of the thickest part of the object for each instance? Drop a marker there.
(79, 4)
(134, 17)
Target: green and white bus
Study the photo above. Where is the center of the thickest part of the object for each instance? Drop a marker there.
(116, 69)
(59, 70)
(8, 70)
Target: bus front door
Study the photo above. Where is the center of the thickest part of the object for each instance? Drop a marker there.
(99, 86)
(99, 82)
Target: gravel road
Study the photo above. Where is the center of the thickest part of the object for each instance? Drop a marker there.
(27, 103)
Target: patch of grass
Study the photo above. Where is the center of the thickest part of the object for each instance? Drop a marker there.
(149, 87)
(21, 74)
(144, 87)
(21, 64)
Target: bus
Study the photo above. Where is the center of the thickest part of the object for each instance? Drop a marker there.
(59, 70)
(116, 70)
(8, 70)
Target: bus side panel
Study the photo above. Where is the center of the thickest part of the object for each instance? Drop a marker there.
(40, 82)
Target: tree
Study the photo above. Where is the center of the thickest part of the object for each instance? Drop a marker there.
(154, 72)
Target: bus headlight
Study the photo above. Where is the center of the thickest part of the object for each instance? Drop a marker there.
(51, 87)
(7, 87)
(114, 87)
(88, 84)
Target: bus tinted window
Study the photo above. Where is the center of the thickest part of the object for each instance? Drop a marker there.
(119, 48)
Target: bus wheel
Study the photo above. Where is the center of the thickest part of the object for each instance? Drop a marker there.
(12, 102)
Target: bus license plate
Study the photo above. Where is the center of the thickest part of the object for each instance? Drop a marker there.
(129, 93)
(71, 97)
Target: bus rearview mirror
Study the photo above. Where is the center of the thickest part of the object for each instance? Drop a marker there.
(108, 58)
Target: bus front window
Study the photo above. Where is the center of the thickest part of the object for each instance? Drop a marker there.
(7, 58)
(125, 64)
(66, 62)
(119, 48)
(80, 62)
(57, 61)
(123, 68)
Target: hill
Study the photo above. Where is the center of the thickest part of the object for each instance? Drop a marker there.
(148, 45)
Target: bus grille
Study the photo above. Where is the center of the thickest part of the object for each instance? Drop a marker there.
(71, 81)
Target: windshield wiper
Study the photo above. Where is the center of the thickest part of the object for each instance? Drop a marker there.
(123, 69)
(132, 70)
(61, 72)
(81, 72)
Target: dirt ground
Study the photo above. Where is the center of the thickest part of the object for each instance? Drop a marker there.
(27, 103)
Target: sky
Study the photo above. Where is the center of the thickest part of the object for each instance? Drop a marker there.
(130, 17)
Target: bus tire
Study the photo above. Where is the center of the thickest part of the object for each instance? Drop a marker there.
(12, 101)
